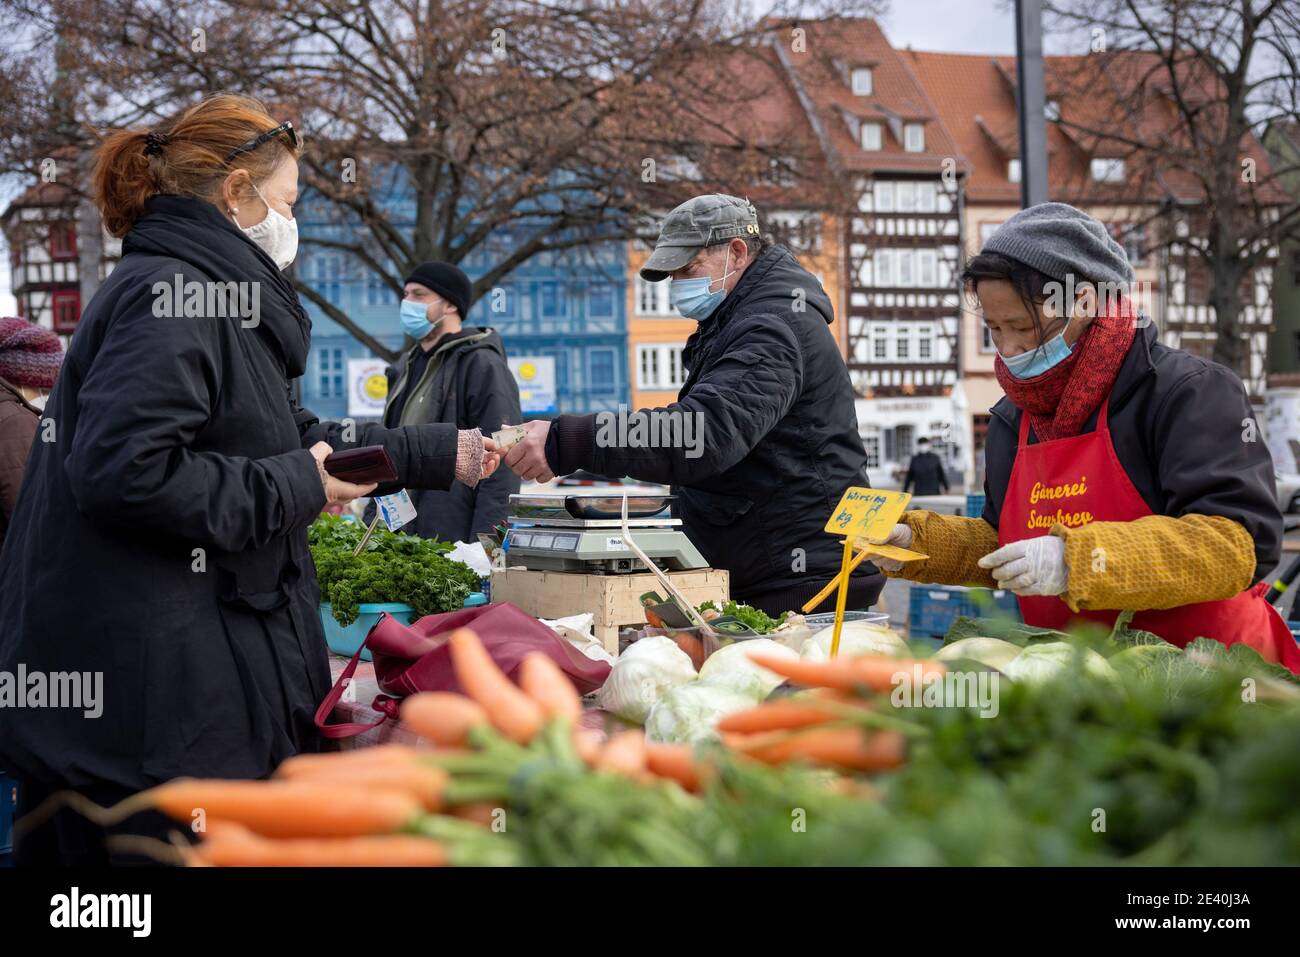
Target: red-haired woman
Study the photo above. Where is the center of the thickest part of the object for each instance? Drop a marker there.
(159, 551)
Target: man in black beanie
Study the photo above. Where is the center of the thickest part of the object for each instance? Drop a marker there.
(456, 374)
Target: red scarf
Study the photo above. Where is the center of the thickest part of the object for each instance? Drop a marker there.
(1059, 401)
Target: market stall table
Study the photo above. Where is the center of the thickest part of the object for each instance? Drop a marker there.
(392, 731)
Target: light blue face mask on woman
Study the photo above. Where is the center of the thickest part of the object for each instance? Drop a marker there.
(415, 319)
(691, 297)
(1035, 362)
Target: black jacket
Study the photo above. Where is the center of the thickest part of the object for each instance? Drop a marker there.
(1185, 433)
(160, 539)
(925, 475)
(780, 431)
(470, 387)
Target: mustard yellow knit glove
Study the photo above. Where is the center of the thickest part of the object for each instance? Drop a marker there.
(1155, 562)
(954, 544)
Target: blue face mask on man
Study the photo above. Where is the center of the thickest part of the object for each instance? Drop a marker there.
(415, 319)
(691, 297)
(1035, 362)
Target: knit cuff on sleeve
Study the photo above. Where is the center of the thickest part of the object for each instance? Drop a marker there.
(954, 544)
(469, 456)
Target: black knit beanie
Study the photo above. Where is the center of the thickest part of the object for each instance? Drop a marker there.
(447, 281)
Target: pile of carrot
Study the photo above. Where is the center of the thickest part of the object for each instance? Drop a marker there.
(395, 805)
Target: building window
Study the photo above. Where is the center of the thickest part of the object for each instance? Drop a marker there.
(378, 292)
(63, 241)
(986, 339)
(652, 298)
(600, 301)
(659, 366)
(1013, 170)
(927, 267)
(871, 136)
(330, 363)
(1132, 236)
(925, 197)
(906, 267)
(328, 271)
(862, 81)
(925, 344)
(914, 137)
(884, 196)
(1051, 110)
(66, 306)
(1196, 285)
(906, 197)
(884, 268)
(554, 300)
(879, 346)
(600, 369)
(987, 230)
(1107, 170)
(902, 343)
(871, 443)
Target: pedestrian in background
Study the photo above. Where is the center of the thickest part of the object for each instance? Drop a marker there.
(925, 474)
(455, 374)
(30, 357)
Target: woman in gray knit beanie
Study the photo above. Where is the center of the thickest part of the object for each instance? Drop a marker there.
(1122, 474)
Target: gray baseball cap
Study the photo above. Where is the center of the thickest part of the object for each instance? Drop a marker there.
(699, 222)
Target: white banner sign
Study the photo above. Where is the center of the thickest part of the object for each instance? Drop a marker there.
(536, 378)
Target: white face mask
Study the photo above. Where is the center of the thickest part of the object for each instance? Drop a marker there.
(277, 235)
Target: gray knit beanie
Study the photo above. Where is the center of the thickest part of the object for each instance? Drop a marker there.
(1058, 240)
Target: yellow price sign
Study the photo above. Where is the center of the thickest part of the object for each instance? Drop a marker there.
(867, 514)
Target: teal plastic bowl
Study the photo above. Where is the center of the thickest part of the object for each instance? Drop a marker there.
(346, 641)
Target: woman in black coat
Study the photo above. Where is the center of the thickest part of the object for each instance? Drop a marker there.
(159, 554)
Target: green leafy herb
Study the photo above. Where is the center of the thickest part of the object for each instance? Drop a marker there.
(756, 619)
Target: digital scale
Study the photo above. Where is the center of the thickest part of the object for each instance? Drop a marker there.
(583, 532)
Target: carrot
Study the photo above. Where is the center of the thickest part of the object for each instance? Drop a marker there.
(305, 765)
(479, 812)
(423, 782)
(782, 714)
(587, 742)
(693, 647)
(624, 753)
(443, 717)
(874, 672)
(511, 712)
(227, 844)
(280, 808)
(676, 762)
(544, 682)
(845, 748)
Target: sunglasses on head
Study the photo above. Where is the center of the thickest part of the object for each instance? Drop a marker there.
(285, 128)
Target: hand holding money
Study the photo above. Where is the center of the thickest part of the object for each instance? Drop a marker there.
(508, 437)
(527, 455)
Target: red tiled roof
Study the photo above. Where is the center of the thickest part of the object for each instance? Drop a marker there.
(975, 98)
(837, 45)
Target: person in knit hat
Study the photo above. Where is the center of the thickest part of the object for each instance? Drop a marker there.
(30, 357)
(1122, 474)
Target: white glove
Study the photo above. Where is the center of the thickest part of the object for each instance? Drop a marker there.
(1031, 566)
(900, 536)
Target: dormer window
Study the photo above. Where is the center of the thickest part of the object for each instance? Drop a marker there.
(1052, 110)
(861, 80)
(1108, 170)
(1013, 170)
(914, 137)
(871, 136)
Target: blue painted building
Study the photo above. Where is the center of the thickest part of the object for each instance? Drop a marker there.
(569, 306)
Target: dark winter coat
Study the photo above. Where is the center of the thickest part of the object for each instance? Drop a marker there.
(925, 475)
(466, 384)
(781, 441)
(160, 540)
(1184, 431)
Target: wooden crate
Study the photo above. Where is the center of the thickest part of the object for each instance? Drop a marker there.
(614, 600)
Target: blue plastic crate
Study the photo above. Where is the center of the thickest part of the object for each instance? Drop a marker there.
(974, 506)
(933, 608)
(8, 808)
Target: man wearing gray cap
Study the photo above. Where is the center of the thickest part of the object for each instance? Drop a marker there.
(769, 389)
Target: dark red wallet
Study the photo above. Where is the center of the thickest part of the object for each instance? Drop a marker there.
(370, 463)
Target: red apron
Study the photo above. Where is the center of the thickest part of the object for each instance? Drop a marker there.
(1079, 480)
